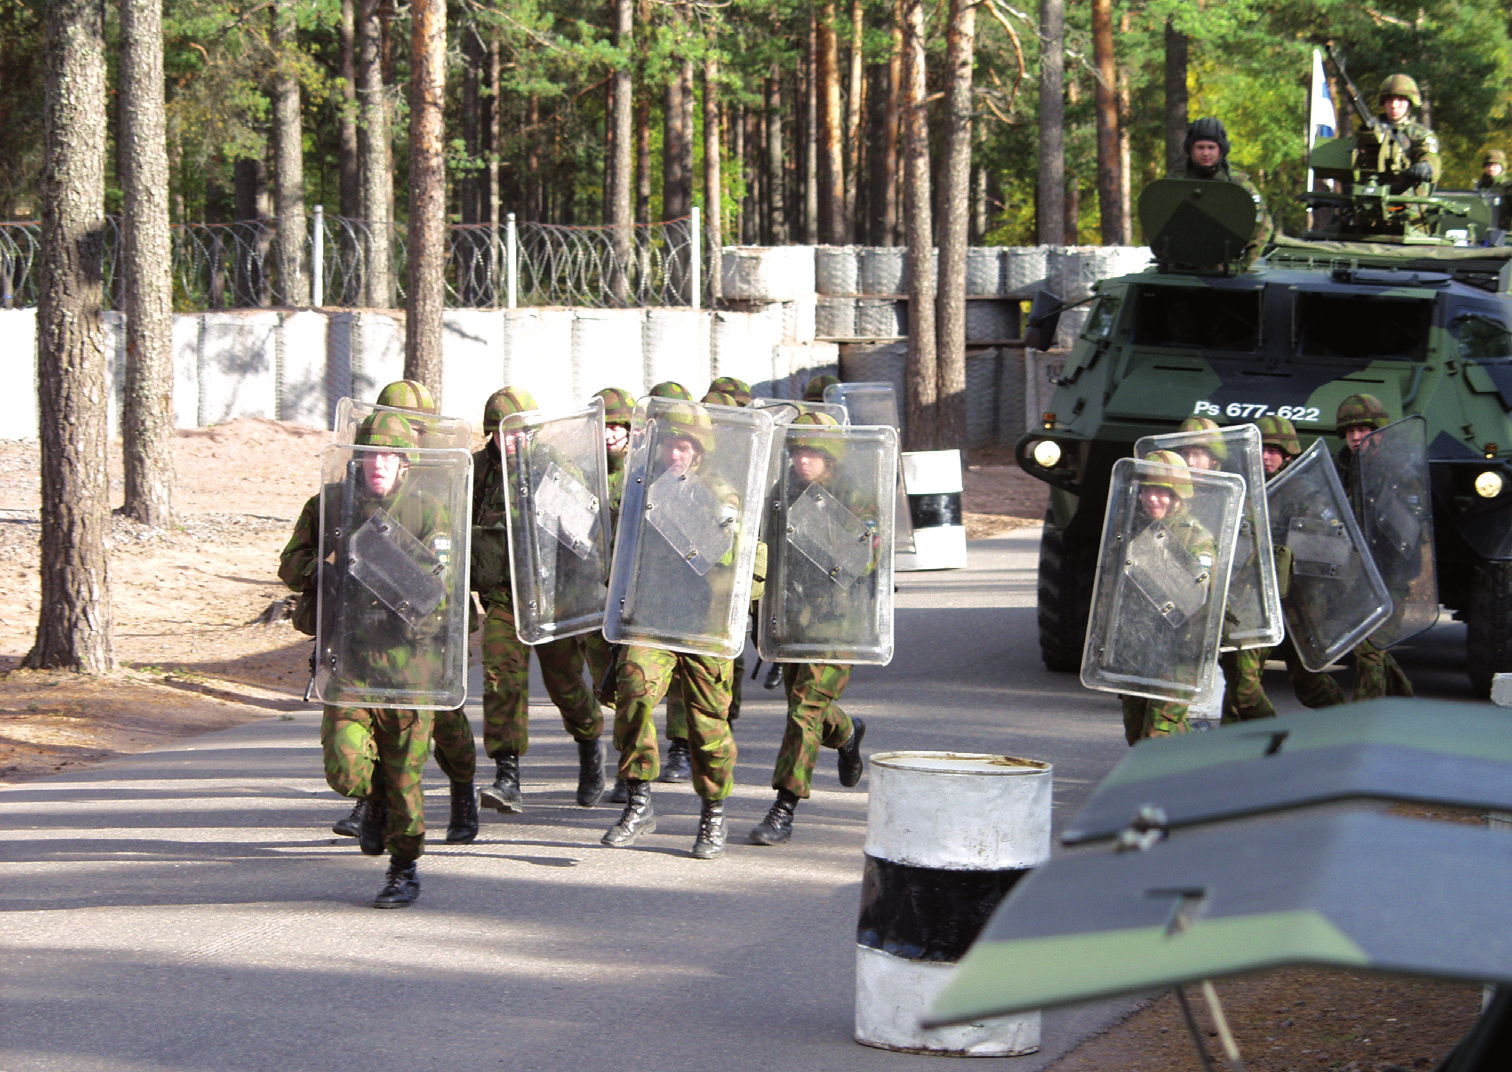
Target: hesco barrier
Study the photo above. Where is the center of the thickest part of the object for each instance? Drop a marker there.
(793, 312)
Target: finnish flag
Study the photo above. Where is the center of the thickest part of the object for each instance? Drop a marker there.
(1320, 113)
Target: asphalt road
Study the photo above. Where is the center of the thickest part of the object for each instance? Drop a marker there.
(188, 908)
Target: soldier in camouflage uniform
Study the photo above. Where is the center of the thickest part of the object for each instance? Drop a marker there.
(376, 754)
(1377, 673)
(646, 673)
(1162, 499)
(506, 658)
(814, 714)
(1414, 162)
(1207, 158)
(451, 733)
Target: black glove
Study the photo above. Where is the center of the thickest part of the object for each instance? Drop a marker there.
(1413, 176)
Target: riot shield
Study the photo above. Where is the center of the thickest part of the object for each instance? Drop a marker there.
(556, 491)
(1393, 502)
(1162, 584)
(688, 528)
(435, 432)
(877, 403)
(392, 604)
(787, 410)
(829, 584)
(1252, 618)
(1336, 597)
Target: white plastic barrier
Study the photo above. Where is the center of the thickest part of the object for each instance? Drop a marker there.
(675, 347)
(301, 351)
(947, 836)
(538, 355)
(606, 349)
(472, 368)
(238, 366)
(933, 481)
(744, 345)
(767, 273)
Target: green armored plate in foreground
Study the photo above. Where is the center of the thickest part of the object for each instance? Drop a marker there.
(1413, 750)
(1352, 890)
(1191, 222)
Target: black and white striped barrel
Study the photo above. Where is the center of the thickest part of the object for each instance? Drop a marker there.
(947, 835)
(932, 479)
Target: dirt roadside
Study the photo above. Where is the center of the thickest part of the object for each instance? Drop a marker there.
(197, 654)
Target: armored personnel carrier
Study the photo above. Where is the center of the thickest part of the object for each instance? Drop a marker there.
(1404, 296)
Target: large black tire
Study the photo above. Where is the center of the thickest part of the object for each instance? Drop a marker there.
(1488, 644)
(1067, 566)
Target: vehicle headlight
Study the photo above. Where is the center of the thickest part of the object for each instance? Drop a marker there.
(1489, 485)
(1047, 455)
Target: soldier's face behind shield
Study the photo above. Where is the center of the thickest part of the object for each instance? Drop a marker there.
(1493, 169)
(1206, 153)
(680, 453)
(1273, 459)
(1355, 434)
(1157, 502)
(508, 443)
(616, 439)
(1395, 108)
(381, 472)
(810, 465)
(1199, 457)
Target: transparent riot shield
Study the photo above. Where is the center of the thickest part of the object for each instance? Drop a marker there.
(435, 432)
(392, 604)
(1336, 597)
(556, 490)
(689, 526)
(877, 403)
(1253, 617)
(1393, 502)
(829, 584)
(1162, 583)
(787, 410)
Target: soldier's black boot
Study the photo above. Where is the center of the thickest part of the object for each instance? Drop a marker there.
(777, 827)
(504, 794)
(851, 763)
(679, 765)
(638, 818)
(710, 843)
(590, 772)
(350, 824)
(370, 835)
(401, 885)
(620, 793)
(464, 814)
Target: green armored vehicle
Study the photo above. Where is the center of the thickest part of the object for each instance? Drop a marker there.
(1393, 295)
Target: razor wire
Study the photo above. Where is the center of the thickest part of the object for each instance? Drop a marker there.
(238, 265)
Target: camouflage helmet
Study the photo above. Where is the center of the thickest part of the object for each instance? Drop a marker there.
(718, 398)
(504, 402)
(830, 446)
(1280, 433)
(1213, 444)
(1361, 409)
(386, 429)
(619, 407)
(735, 387)
(407, 394)
(1179, 481)
(1495, 156)
(671, 389)
(690, 421)
(1399, 85)
(814, 392)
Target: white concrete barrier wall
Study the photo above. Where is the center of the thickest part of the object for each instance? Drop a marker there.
(472, 350)
(607, 349)
(185, 342)
(538, 355)
(238, 366)
(302, 395)
(675, 346)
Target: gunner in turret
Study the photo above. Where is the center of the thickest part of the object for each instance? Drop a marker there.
(1207, 158)
(1414, 161)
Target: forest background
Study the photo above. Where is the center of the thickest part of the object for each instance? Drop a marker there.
(802, 98)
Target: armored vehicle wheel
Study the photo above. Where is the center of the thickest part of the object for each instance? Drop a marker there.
(1067, 565)
(1488, 647)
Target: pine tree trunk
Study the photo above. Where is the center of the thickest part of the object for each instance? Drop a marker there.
(809, 178)
(427, 195)
(1125, 166)
(830, 173)
(74, 623)
(374, 151)
(348, 161)
(642, 159)
(1175, 98)
(923, 372)
(622, 160)
(1105, 100)
(1050, 211)
(147, 412)
(855, 105)
(713, 199)
(288, 162)
(777, 233)
(955, 203)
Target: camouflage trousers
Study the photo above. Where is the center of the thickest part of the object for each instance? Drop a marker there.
(1313, 688)
(1244, 696)
(1377, 674)
(596, 650)
(1144, 717)
(814, 718)
(456, 751)
(377, 753)
(506, 684)
(645, 674)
